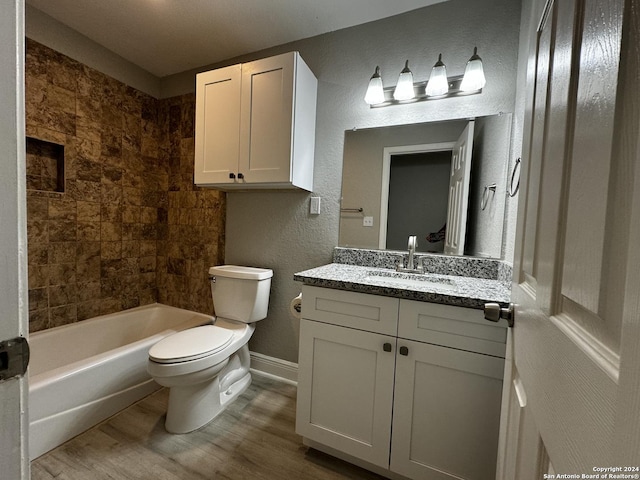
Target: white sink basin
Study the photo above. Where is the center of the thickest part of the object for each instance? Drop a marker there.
(410, 280)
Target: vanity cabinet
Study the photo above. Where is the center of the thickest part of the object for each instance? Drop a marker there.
(255, 125)
(406, 387)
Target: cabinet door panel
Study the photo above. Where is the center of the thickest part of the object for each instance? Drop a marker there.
(351, 309)
(345, 390)
(456, 327)
(217, 125)
(446, 413)
(267, 114)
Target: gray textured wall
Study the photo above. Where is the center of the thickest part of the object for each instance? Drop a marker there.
(273, 228)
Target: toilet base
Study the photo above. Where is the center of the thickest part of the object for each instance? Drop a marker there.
(193, 406)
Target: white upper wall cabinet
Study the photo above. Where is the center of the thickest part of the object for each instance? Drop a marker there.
(255, 125)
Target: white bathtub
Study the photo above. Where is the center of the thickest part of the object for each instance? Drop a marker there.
(82, 373)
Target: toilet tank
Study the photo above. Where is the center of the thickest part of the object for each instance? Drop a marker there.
(240, 293)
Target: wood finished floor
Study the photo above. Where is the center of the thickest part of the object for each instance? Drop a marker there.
(253, 439)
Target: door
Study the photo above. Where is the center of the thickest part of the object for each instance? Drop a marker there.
(345, 390)
(459, 192)
(267, 119)
(14, 422)
(217, 143)
(572, 400)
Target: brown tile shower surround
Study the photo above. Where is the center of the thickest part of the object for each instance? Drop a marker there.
(130, 227)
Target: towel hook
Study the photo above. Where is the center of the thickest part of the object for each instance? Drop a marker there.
(485, 195)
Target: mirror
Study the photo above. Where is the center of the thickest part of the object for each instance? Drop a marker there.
(397, 181)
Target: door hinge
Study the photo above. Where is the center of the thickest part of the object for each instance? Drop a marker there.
(14, 358)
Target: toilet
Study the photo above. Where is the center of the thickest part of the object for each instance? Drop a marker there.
(207, 367)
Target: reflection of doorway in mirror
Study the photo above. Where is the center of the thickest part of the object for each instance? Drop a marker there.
(418, 199)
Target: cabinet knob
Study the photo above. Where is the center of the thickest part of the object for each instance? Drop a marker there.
(240, 176)
(232, 175)
(386, 347)
(404, 351)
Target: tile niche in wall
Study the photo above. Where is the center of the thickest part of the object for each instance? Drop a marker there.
(127, 227)
(45, 165)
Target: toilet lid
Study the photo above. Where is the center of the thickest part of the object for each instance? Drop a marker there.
(190, 344)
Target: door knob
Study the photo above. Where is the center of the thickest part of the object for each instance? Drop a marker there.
(494, 312)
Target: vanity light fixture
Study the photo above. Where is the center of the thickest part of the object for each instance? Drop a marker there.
(473, 78)
(439, 85)
(375, 92)
(404, 87)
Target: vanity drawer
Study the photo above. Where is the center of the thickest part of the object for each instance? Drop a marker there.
(351, 309)
(455, 327)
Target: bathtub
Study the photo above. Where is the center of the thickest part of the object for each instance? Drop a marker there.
(82, 373)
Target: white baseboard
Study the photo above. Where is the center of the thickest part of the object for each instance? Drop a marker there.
(274, 367)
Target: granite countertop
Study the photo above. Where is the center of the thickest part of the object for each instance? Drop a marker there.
(446, 289)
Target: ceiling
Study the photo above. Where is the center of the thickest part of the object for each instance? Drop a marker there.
(170, 36)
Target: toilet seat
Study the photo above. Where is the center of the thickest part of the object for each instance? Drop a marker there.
(191, 344)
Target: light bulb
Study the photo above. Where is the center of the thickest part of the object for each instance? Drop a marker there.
(473, 78)
(375, 93)
(404, 87)
(438, 83)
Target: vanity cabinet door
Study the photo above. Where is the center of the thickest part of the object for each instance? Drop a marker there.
(345, 390)
(446, 413)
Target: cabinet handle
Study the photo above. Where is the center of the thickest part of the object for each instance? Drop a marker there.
(240, 176)
(232, 175)
(386, 347)
(404, 351)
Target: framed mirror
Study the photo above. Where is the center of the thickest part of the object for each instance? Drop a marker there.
(442, 181)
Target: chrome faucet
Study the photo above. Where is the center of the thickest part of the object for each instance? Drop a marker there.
(410, 267)
(412, 250)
